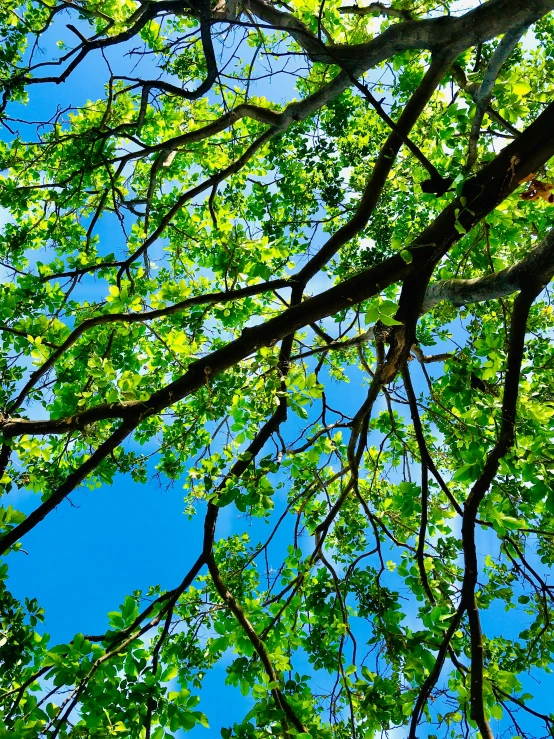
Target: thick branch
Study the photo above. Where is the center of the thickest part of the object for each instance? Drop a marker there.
(538, 262)
(489, 20)
(533, 286)
(376, 9)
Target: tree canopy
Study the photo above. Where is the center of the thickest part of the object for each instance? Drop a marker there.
(293, 259)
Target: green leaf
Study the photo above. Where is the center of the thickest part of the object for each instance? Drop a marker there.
(407, 256)
(389, 320)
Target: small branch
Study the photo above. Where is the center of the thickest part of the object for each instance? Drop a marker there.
(470, 89)
(78, 33)
(483, 94)
(231, 602)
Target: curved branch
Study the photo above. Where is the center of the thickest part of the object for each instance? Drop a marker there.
(539, 263)
(489, 20)
(229, 599)
(146, 13)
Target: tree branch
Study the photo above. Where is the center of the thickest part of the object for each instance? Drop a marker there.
(538, 262)
(482, 95)
(376, 9)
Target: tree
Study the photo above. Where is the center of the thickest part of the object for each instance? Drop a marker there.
(188, 259)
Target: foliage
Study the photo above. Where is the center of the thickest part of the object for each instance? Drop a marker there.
(270, 215)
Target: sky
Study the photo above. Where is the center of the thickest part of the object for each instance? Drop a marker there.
(102, 544)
